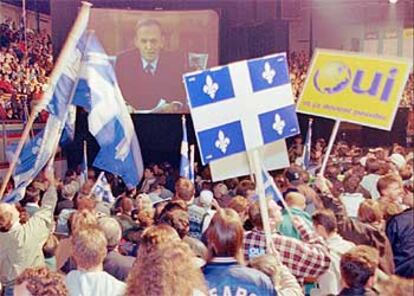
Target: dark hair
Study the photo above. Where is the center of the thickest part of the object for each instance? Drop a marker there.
(255, 216)
(358, 265)
(351, 183)
(244, 186)
(372, 165)
(326, 218)
(177, 219)
(148, 23)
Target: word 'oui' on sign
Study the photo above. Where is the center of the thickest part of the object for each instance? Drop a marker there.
(356, 88)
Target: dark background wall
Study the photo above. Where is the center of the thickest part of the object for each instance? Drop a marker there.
(248, 28)
(160, 135)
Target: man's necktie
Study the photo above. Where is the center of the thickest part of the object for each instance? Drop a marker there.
(149, 69)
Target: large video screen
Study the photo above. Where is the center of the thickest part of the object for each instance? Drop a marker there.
(152, 49)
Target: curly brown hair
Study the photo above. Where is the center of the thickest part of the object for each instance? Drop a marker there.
(41, 281)
(167, 271)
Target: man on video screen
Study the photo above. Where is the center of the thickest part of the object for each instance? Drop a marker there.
(147, 74)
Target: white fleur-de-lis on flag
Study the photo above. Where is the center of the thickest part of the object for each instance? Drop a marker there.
(268, 73)
(222, 142)
(279, 124)
(211, 87)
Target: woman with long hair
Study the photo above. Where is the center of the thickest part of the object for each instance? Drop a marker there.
(164, 266)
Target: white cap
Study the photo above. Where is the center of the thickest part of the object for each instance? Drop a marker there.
(206, 198)
(398, 160)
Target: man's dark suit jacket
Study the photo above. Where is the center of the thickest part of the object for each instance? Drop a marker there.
(142, 90)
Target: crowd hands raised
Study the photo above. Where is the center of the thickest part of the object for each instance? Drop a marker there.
(25, 65)
(352, 232)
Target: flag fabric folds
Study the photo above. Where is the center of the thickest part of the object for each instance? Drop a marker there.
(102, 190)
(307, 147)
(271, 190)
(109, 121)
(56, 100)
(185, 162)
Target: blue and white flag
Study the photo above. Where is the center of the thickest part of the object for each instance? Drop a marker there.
(185, 162)
(241, 106)
(271, 190)
(37, 151)
(308, 146)
(102, 190)
(192, 169)
(84, 165)
(109, 121)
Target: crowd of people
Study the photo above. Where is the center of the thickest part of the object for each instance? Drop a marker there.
(26, 62)
(349, 232)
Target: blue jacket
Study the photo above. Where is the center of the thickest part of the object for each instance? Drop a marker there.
(225, 276)
(400, 233)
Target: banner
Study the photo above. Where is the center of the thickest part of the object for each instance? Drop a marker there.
(355, 88)
(241, 106)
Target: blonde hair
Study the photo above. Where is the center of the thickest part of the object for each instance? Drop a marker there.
(81, 219)
(8, 216)
(89, 247)
(169, 270)
(295, 199)
(369, 211)
(42, 281)
(395, 285)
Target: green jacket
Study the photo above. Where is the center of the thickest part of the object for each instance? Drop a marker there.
(21, 246)
(286, 227)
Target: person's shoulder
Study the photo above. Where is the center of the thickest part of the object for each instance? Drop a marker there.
(251, 276)
(406, 215)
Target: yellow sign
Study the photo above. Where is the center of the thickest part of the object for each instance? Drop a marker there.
(355, 88)
(408, 33)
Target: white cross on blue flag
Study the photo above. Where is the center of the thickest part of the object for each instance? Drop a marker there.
(241, 106)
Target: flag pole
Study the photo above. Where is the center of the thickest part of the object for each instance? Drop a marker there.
(192, 169)
(330, 145)
(54, 77)
(308, 135)
(257, 169)
(94, 185)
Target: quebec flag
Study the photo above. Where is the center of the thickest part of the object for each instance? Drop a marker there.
(37, 151)
(109, 121)
(185, 162)
(271, 190)
(102, 190)
(241, 106)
